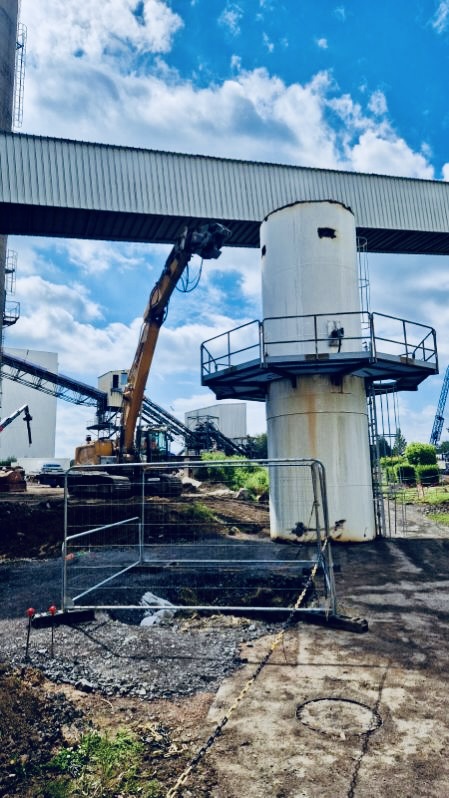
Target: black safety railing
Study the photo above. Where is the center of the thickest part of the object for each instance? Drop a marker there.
(237, 345)
(336, 333)
(424, 349)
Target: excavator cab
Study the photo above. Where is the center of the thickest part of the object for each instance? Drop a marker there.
(155, 446)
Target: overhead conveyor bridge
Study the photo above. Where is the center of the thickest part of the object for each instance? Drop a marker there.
(63, 188)
(35, 376)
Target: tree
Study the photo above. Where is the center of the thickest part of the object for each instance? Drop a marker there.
(443, 448)
(421, 454)
(384, 447)
(257, 446)
(400, 444)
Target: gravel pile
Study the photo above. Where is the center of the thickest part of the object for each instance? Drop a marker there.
(178, 659)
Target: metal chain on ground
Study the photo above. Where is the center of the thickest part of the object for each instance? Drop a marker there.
(366, 738)
(249, 683)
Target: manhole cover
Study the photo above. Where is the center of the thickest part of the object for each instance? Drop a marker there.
(341, 717)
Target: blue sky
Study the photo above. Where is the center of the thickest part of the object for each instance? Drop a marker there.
(349, 85)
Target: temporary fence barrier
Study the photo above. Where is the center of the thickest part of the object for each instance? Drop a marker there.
(193, 535)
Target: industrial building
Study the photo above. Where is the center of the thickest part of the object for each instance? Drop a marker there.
(42, 407)
(228, 417)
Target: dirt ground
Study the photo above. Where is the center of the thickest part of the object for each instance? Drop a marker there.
(332, 714)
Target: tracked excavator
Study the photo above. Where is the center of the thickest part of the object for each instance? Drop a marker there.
(205, 241)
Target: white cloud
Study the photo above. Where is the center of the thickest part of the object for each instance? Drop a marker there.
(268, 44)
(96, 257)
(64, 319)
(236, 63)
(340, 13)
(50, 305)
(230, 18)
(84, 350)
(378, 103)
(445, 171)
(440, 20)
(246, 262)
(322, 44)
(415, 424)
(60, 28)
(377, 153)
(253, 115)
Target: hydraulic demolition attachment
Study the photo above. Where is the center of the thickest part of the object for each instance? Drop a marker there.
(5, 422)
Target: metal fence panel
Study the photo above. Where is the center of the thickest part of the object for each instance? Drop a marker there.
(192, 535)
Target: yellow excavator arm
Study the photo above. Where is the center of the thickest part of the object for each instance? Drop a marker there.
(205, 241)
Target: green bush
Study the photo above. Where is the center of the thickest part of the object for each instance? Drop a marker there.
(256, 481)
(235, 473)
(388, 466)
(421, 454)
(387, 462)
(390, 475)
(225, 473)
(405, 473)
(428, 474)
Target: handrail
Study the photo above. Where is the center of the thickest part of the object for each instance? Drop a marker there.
(227, 354)
(404, 343)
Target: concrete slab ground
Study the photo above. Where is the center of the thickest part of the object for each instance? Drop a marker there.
(338, 714)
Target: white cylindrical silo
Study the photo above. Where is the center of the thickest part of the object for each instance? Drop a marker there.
(309, 266)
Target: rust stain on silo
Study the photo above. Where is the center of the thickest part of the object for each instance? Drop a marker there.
(312, 424)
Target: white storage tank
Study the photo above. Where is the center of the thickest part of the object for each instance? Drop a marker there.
(309, 266)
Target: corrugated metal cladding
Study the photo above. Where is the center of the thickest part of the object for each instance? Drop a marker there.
(56, 187)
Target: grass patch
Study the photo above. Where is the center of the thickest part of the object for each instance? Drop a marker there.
(433, 496)
(438, 495)
(439, 518)
(101, 766)
(197, 511)
(235, 472)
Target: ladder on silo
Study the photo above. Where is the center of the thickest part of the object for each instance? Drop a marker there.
(376, 474)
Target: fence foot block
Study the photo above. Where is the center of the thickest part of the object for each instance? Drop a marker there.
(68, 617)
(347, 623)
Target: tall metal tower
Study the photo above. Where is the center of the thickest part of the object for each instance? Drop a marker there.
(9, 11)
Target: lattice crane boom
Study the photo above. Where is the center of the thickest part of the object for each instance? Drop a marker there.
(439, 415)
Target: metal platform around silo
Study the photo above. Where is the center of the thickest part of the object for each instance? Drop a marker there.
(243, 362)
